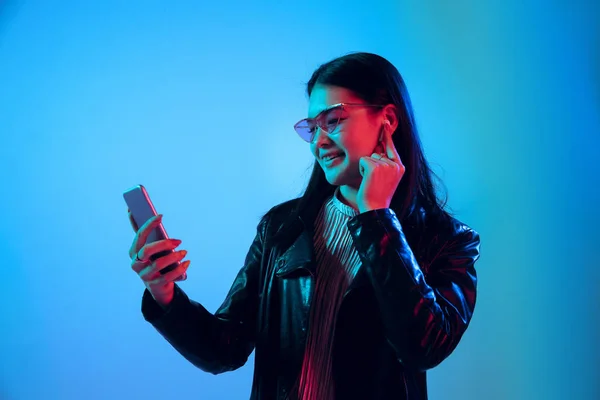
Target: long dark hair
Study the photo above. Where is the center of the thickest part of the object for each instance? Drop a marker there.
(376, 80)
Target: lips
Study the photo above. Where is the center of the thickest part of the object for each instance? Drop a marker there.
(329, 157)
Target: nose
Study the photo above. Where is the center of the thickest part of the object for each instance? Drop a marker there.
(320, 136)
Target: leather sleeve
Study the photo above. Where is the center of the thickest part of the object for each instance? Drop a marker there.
(220, 342)
(424, 316)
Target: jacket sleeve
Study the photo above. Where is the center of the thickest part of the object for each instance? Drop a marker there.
(423, 319)
(220, 342)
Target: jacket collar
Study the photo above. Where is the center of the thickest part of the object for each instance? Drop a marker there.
(299, 259)
(300, 255)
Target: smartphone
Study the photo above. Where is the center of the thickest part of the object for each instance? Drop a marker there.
(141, 207)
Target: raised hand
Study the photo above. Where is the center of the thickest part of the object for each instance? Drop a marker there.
(381, 175)
(147, 261)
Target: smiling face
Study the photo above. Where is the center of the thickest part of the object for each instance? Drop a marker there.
(356, 134)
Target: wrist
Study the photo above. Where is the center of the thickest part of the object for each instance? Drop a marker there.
(163, 299)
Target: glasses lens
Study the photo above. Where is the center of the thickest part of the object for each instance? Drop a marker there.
(330, 119)
(305, 129)
(327, 121)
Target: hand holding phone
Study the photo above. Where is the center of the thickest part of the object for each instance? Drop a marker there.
(153, 254)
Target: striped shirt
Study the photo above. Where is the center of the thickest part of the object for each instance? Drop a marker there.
(337, 264)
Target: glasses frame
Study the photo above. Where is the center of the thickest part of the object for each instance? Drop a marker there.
(318, 119)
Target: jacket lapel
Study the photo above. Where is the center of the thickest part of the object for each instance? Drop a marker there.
(299, 256)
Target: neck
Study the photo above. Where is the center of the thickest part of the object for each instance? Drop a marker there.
(348, 196)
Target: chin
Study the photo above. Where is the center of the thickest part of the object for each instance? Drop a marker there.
(338, 176)
(334, 179)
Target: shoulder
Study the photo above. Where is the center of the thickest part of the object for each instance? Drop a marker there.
(283, 209)
(440, 223)
(444, 231)
(279, 213)
(273, 219)
(453, 228)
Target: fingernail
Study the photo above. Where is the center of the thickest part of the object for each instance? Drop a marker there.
(176, 241)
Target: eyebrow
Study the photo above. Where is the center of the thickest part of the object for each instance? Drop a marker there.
(327, 108)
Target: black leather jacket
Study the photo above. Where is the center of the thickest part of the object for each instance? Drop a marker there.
(404, 313)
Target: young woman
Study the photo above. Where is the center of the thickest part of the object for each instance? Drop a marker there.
(351, 291)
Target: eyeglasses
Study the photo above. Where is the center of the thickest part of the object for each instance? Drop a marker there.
(328, 120)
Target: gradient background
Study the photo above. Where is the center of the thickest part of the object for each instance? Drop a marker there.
(197, 103)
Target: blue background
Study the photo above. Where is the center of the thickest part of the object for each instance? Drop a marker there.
(196, 100)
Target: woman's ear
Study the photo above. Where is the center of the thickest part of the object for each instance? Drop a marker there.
(390, 117)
